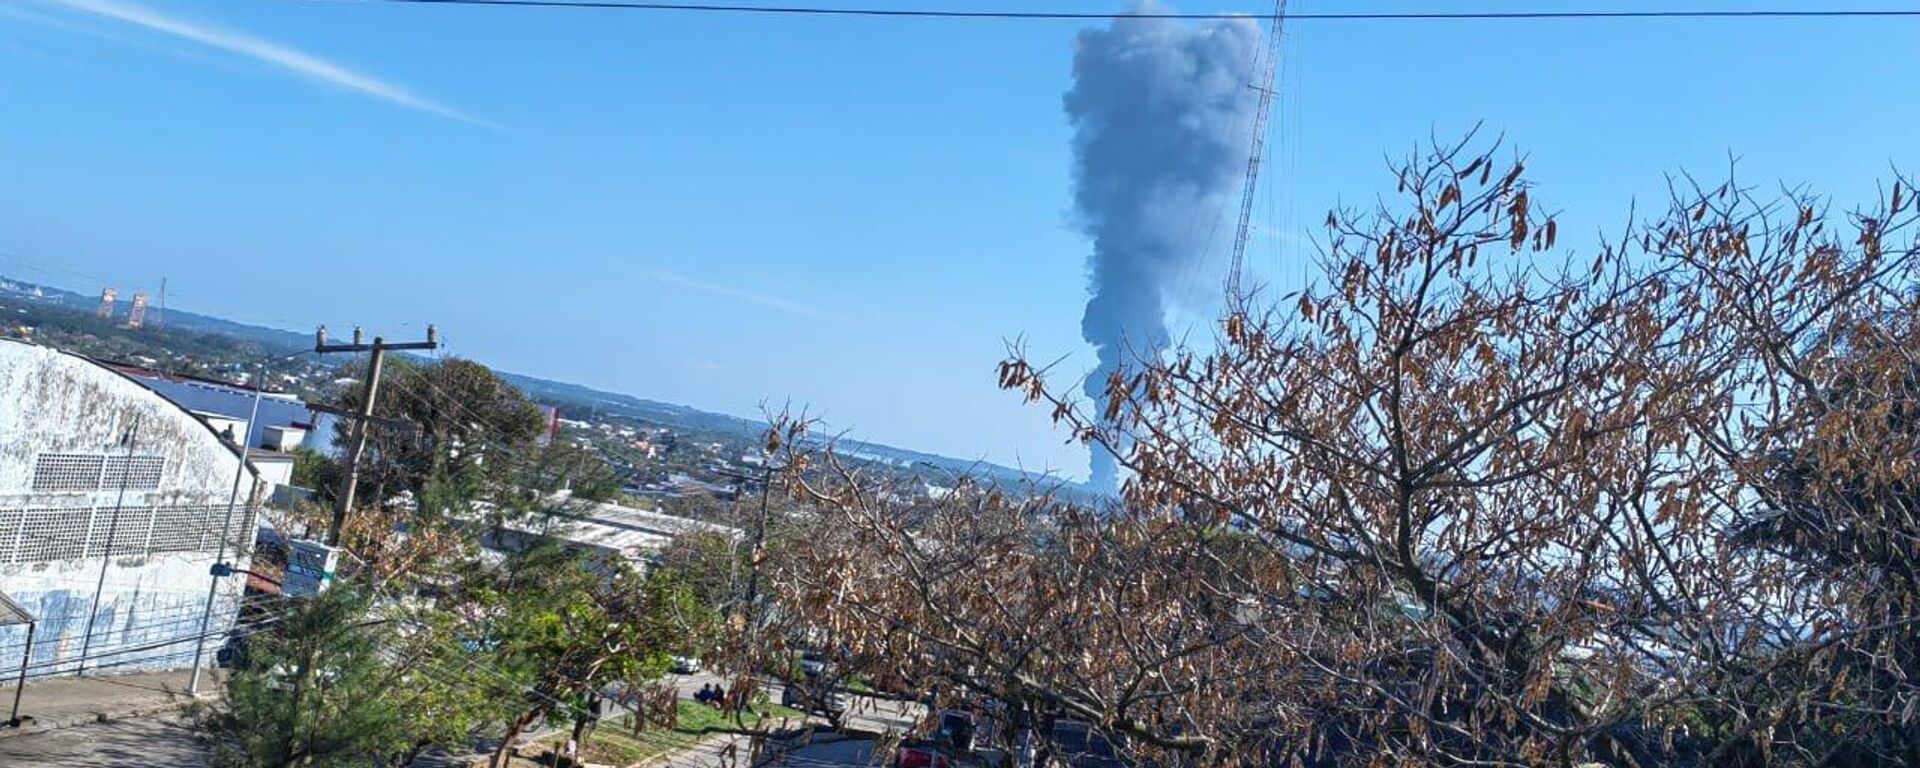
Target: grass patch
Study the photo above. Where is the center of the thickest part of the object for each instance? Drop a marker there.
(614, 741)
(695, 716)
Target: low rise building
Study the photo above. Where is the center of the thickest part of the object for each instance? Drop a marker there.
(115, 503)
(284, 422)
(610, 531)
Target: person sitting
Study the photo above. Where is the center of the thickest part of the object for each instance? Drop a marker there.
(705, 696)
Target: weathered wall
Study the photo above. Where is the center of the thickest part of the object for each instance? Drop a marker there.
(149, 615)
(153, 524)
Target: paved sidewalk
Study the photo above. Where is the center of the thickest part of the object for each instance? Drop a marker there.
(65, 702)
(144, 742)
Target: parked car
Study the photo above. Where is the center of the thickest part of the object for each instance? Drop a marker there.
(813, 663)
(919, 754)
(1081, 745)
(813, 696)
(956, 729)
(233, 653)
(685, 665)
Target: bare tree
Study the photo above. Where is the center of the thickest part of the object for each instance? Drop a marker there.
(1471, 499)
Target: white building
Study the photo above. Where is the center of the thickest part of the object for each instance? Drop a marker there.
(282, 438)
(98, 474)
(609, 531)
(283, 424)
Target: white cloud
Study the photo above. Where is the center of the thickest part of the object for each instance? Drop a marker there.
(742, 294)
(268, 52)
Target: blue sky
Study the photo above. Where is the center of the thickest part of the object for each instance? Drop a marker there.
(856, 215)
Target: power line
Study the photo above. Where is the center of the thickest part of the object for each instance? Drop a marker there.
(941, 13)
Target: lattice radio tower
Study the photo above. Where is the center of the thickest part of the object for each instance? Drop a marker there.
(1269, 68)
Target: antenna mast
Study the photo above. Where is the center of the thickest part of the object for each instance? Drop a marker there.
(1269, 68)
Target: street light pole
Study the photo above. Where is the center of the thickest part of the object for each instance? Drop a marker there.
(113, 532)
(226, 530)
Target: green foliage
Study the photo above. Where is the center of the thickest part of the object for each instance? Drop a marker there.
(314, 691)
(335, 684)
(620, 746)
(561, 465)
(710, 565)
(563, 627)
(568, 623)
(315, 470)
(464, 419)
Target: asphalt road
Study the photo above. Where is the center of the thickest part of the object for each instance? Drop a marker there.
(138, 743)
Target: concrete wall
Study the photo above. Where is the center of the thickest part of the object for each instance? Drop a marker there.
(274, 471)
(154, 526)
(149, 617)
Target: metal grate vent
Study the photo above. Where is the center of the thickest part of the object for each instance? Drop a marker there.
(187, 528)
(129, 531)
(53, 534)
(43, 534)
(9, 532)
(94, 472)
(67, 471)
(138, 472)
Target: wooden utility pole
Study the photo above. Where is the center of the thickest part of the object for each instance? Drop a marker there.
(759, 535)
(357, 442)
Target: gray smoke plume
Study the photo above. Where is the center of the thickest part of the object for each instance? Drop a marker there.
(1161, 117)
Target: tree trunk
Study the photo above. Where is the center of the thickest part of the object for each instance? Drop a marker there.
(513, 732)
(296, 753)
(578, 736)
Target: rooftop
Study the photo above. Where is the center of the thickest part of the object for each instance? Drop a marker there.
(644, 521)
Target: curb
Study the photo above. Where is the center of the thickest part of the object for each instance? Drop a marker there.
(666, 758)
(78, 719)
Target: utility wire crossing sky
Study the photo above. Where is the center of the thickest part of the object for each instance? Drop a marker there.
(936, 13)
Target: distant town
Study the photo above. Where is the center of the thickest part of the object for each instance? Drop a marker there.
(672, 458)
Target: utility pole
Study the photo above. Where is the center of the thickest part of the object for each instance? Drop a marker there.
(759, 543)
(358, 441)
(759, 537)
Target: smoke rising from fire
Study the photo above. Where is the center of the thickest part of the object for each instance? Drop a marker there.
(1161, 116)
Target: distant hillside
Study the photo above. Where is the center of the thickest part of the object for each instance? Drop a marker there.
(273, 338)
(561, 393)
(577, 398)
(612, 404)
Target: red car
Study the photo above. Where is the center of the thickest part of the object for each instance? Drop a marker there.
(920, 757)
